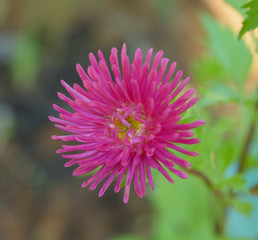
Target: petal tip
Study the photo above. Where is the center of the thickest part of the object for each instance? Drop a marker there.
(59, 151)
(54, 137)
(201, 122)
(51, 118)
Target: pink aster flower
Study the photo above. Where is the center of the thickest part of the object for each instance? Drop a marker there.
(122, 127)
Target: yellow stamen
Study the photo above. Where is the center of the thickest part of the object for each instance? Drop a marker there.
(136, 126)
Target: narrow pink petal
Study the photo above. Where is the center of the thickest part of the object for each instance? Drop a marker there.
(179, 88)
(188, 126)
(149, 174)
(138, 65)
(64, 98)
(142, 175)
(144, 78)
(80, 170)
(188, 94)
(161, 71)
(123, 120)
(179, 149)
(74, 93)
(136, 91)
(80, 155)
(100, 179)
(59, 121)
(107, 183)
(164, 173)
(115, 64)
(174, 158)
(126, 70)
(170, 73)
(127, 185)
(93, 74)
(149, 107)
(64, 138)
(119, 181)
(157, 59)
(179, 173)
(136, 184)
(187, 140)
(61, 110)
(94, 177)
(95, 64)
(82, 73)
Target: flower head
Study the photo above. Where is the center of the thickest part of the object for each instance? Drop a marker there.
(123, 126)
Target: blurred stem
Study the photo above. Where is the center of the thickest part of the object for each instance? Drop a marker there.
(248, 140)
(254, 190)
(206, 180)
(220, 222)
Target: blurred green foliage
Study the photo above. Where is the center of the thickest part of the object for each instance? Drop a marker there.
(182, 210)
(7, 124)
(26, 62)
(231, 55)
(165, 8)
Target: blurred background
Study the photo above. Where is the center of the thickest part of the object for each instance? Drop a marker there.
(41, 42)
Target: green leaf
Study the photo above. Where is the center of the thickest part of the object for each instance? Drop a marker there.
(218, 94)
(232, 54)
(251, 21)
(252, 157)
(218, 148)
(236, 183)
(176, 208)
(208, 69)
(242, 207)
(190, 116)
(252, 162)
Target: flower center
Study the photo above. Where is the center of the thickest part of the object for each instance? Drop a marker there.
(128, 125)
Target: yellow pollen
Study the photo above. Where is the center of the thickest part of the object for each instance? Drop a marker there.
(136, 126)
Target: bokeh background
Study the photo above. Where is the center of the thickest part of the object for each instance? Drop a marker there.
(41, 42)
